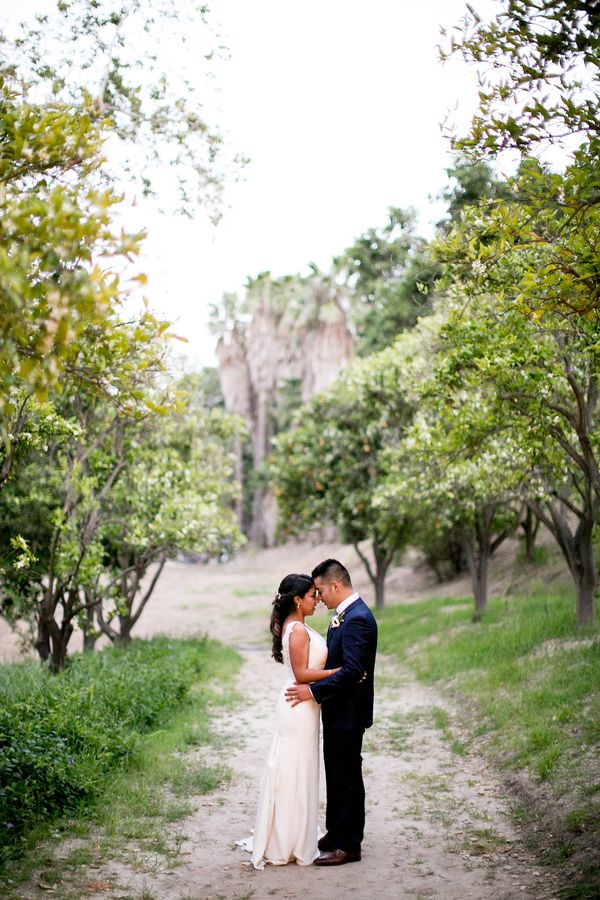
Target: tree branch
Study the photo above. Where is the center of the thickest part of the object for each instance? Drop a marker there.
(365, 563)
(148, 593)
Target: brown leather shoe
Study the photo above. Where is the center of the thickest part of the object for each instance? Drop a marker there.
(325, 844)
(336, 858)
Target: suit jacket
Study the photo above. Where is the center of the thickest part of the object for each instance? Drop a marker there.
(346, 698)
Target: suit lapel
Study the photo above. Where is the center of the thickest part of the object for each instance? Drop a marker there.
(331, 629)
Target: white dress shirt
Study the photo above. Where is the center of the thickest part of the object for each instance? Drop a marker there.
(346, 603)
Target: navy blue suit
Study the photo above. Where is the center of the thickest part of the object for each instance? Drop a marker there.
(346, 700)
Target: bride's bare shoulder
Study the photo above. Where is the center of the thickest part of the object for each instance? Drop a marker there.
(300, 633)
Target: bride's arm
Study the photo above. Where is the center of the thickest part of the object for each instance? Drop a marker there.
(299, 650)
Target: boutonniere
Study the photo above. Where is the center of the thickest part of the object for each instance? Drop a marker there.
(336, 620)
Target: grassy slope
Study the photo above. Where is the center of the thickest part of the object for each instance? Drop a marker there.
(528, 682)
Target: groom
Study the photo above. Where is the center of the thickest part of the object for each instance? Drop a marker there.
(346, 700)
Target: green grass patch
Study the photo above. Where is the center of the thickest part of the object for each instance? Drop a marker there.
(441, 720)
(399, 731)
(531, 677)
(482, 841)
(100, 743)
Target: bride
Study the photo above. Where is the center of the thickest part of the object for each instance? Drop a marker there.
(286, 821)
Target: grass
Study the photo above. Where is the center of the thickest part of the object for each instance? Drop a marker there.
(481, 841)
(441, 720)
(134, 818)
(528, 682)
(399, 732)
(539, 704)
(62, 737)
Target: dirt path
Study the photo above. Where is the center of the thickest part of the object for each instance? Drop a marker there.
(437, 821)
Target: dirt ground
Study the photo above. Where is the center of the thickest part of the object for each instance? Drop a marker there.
(438, 823)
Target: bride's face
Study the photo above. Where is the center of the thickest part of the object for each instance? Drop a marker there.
(308, 603)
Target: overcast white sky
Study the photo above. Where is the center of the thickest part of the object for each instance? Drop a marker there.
(338, 103)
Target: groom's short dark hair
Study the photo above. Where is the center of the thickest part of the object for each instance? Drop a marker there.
(332, 570)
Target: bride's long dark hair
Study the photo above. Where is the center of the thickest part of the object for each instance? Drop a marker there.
(283, 604)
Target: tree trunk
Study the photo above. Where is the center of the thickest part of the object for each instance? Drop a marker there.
(105, 627)
(530, 526)
(577, 547)
(457, 557)
(129, 591)
(53, 638)
(585, 576)
(383, 559)
(42, 641)
(480, 588)
(59, 641)
(433, 564)
(477, 546)
(478, 564)
(126, 623)
(261, 530)
(89, 642)
(380, 590)
(90, 635)
(586, 601)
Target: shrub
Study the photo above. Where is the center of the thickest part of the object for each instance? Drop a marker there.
(60, 736)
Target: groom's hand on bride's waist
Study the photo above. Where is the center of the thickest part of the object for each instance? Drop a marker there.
(298, 693)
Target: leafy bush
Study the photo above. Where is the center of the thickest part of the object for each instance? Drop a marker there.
(60, 736)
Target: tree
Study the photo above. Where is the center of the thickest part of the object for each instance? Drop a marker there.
(546, 231)
(328, 466)
(461, 493)
(285, 340)
(540, 377)
(51, 555)
(54, 229)
(456, 488)
(54, 505)
(540, 89)
(388, 273)
(471, 181)
(540, 82)
(202, 389)
(126, 487)
(440, 543)
(60, 294)
(110, 60)
(537, 253)
(176, 494)
(76, 381)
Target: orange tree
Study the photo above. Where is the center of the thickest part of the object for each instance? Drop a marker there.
(123, 484)
(328, 467)
(114, 59)
(55, 297)
(539, 66)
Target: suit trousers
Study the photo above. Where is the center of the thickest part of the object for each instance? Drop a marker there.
(345, 816)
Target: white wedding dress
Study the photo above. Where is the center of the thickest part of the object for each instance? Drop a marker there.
(287, 818)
